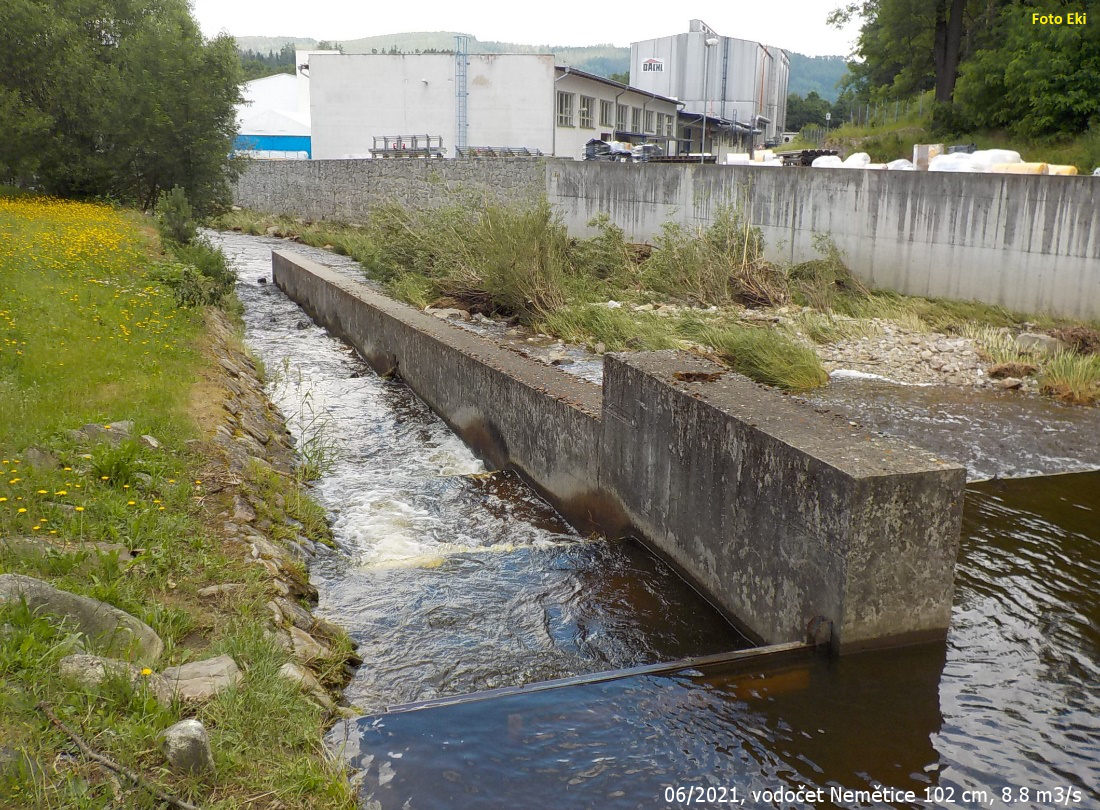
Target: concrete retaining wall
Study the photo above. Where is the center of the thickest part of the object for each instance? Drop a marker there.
(1026, 243)
(793, 523)
(347, 190)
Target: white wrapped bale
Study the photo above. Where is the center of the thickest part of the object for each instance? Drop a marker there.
(901, 165)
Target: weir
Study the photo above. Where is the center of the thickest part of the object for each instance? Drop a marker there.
(799, 526)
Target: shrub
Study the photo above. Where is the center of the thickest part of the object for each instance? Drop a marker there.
(175, 220)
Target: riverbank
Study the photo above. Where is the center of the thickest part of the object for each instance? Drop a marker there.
(709, 292)
(145, 470)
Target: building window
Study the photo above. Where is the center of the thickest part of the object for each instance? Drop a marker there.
(635, 119)
(620, 117)
(649, 125)
(607, 113)
(565, 109)
(588, 104)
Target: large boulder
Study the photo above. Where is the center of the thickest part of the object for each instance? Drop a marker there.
(187, 747)
(112, 630)
(93, 670)
(199, 681)
(112, 433)
(1038, 343)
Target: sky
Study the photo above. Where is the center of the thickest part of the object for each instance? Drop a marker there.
(796, 25)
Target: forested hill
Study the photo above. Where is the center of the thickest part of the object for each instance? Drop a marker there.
(820, 73)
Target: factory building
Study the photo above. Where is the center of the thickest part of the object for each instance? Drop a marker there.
(273, 117)
(735, 80)
(378, 105)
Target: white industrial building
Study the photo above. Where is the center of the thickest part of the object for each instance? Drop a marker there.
(364, 105)
(735, 80)
(273, 118)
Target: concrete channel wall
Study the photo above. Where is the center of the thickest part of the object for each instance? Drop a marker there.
(795, 524)
(1027, 243)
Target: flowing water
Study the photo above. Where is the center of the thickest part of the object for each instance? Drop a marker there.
(454, 581)
(450, 579)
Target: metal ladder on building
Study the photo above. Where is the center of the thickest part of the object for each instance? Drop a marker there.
(462, 48)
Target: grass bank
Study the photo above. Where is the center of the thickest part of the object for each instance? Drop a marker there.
(92, 331)
(692, 289)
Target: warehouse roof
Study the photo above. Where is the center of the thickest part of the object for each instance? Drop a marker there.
(572, 71)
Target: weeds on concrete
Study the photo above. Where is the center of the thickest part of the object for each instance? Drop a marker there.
(766, 355)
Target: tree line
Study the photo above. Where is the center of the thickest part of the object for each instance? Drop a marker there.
(992, 64)
(116, 99)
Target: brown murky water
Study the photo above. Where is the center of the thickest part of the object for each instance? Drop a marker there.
(1006, 710)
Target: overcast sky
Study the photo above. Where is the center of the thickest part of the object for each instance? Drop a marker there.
(797, 25)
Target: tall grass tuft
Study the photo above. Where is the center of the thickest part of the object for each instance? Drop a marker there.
(492, 259)
(721, 264)
(1072, 378)
(616, 329)
(818, 283)
(767, 356)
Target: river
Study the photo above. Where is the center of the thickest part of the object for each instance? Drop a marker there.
(455, 580)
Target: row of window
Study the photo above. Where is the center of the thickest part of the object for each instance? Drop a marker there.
(626, 118)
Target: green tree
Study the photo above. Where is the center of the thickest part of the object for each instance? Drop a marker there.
(1033, 80)
(908, 46)
(808, 110)
(116, 98)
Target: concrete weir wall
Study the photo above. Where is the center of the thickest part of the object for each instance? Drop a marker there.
(1027, 243)
(796, 524)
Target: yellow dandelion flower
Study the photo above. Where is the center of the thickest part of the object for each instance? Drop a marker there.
(35, 528)
(79, 508)
(62, 492)
(68, 469)
(146, 671)
(43, 492)
(104, 478)
(2, 500)
(21, 509)
(160, 508)
(125, 486)
(130, 503)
